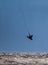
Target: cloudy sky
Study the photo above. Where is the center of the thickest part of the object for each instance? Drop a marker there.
(17, 18)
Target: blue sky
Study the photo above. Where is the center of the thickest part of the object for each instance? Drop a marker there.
(17, 18)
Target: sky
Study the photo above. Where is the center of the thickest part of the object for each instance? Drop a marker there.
(17, 18)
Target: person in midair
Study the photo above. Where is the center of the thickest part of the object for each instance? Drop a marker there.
(30, 36)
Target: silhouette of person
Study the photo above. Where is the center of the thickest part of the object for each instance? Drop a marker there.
(30, 36)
